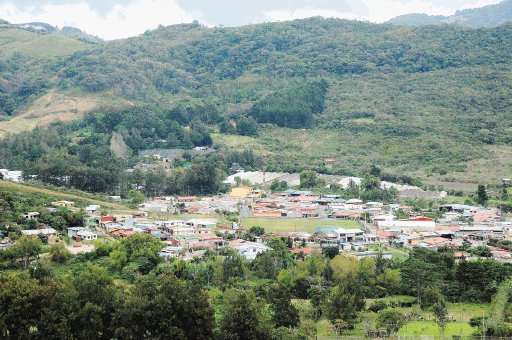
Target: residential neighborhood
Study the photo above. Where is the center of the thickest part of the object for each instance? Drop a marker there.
(225, 221)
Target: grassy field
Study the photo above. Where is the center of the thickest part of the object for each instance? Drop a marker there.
(431, 328)
(36, 44)
(11, 186)
(460, 313)
(295, 224)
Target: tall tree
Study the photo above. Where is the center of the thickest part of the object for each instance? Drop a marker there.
(481, 195)
(345, 301)
(27, 247)
(244, 317)
(285, 313)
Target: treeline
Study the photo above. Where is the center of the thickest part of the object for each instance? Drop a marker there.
(293, 106)
(146, 128)
(21, 81)
(183, 57)
(86, 155)
(465, 281)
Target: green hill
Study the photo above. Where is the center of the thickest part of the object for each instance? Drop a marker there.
(424, 101)
(487, 16)
(36, 44)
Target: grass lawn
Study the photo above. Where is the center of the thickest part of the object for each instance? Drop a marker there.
(462, 312)
(431, 328)
(456, 199)
(27, 189)
(324, 328)
(295, 224)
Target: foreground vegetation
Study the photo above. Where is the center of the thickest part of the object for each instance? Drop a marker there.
(123, 289)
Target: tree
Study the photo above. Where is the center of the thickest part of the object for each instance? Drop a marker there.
(417, 275)
(277, 186)
(256, 230)
(136, 197)
(140, 248)
(247, 126)
(440, 311)
(430, 296)
(370, 183)
(244, 316)
(392, 319)
(164, 307)
(233, 268)
(375, 171)
(504, 194)
(481, 195)
(285, 313)
(59, 253)
(202, 178)
(309, 179)
(318, 297)
(466, 244)
(27, 247)
(96, 295)
(345, 301)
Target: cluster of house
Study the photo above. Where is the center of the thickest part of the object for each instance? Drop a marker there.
(251, 202)
(456, 226)
(186, 239)
(170, 155)
(263, 178)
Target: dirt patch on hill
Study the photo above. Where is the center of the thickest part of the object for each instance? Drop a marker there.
(48, 109)
(118, 146)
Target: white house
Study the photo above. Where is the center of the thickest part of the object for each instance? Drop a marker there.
(412, 225)
(87, 235)
(72, 231)
(36, 232)
(170, 251)
(350, 235)
(249, 249)
(13, 176)
(92, 209)
(202, 223)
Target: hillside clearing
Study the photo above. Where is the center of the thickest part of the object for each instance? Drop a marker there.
(10, 186)
(36, 44)
(51, 107)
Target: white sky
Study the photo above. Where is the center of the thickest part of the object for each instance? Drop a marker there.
(125, 18)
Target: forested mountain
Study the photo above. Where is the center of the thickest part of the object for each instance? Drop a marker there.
(415, 100)
(487, 16)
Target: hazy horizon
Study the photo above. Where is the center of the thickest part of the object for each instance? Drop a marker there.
(114, 19)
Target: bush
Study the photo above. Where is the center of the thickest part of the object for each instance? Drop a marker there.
(377, 306)
(59, 253)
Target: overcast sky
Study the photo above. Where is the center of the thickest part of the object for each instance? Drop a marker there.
(112, 19)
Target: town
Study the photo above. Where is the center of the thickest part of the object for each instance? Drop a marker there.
(309, 222)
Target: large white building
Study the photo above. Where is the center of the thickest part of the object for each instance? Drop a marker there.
(14, 176)
(411, 225)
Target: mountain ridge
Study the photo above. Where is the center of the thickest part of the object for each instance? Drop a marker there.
(428, 101)
(487, 16)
